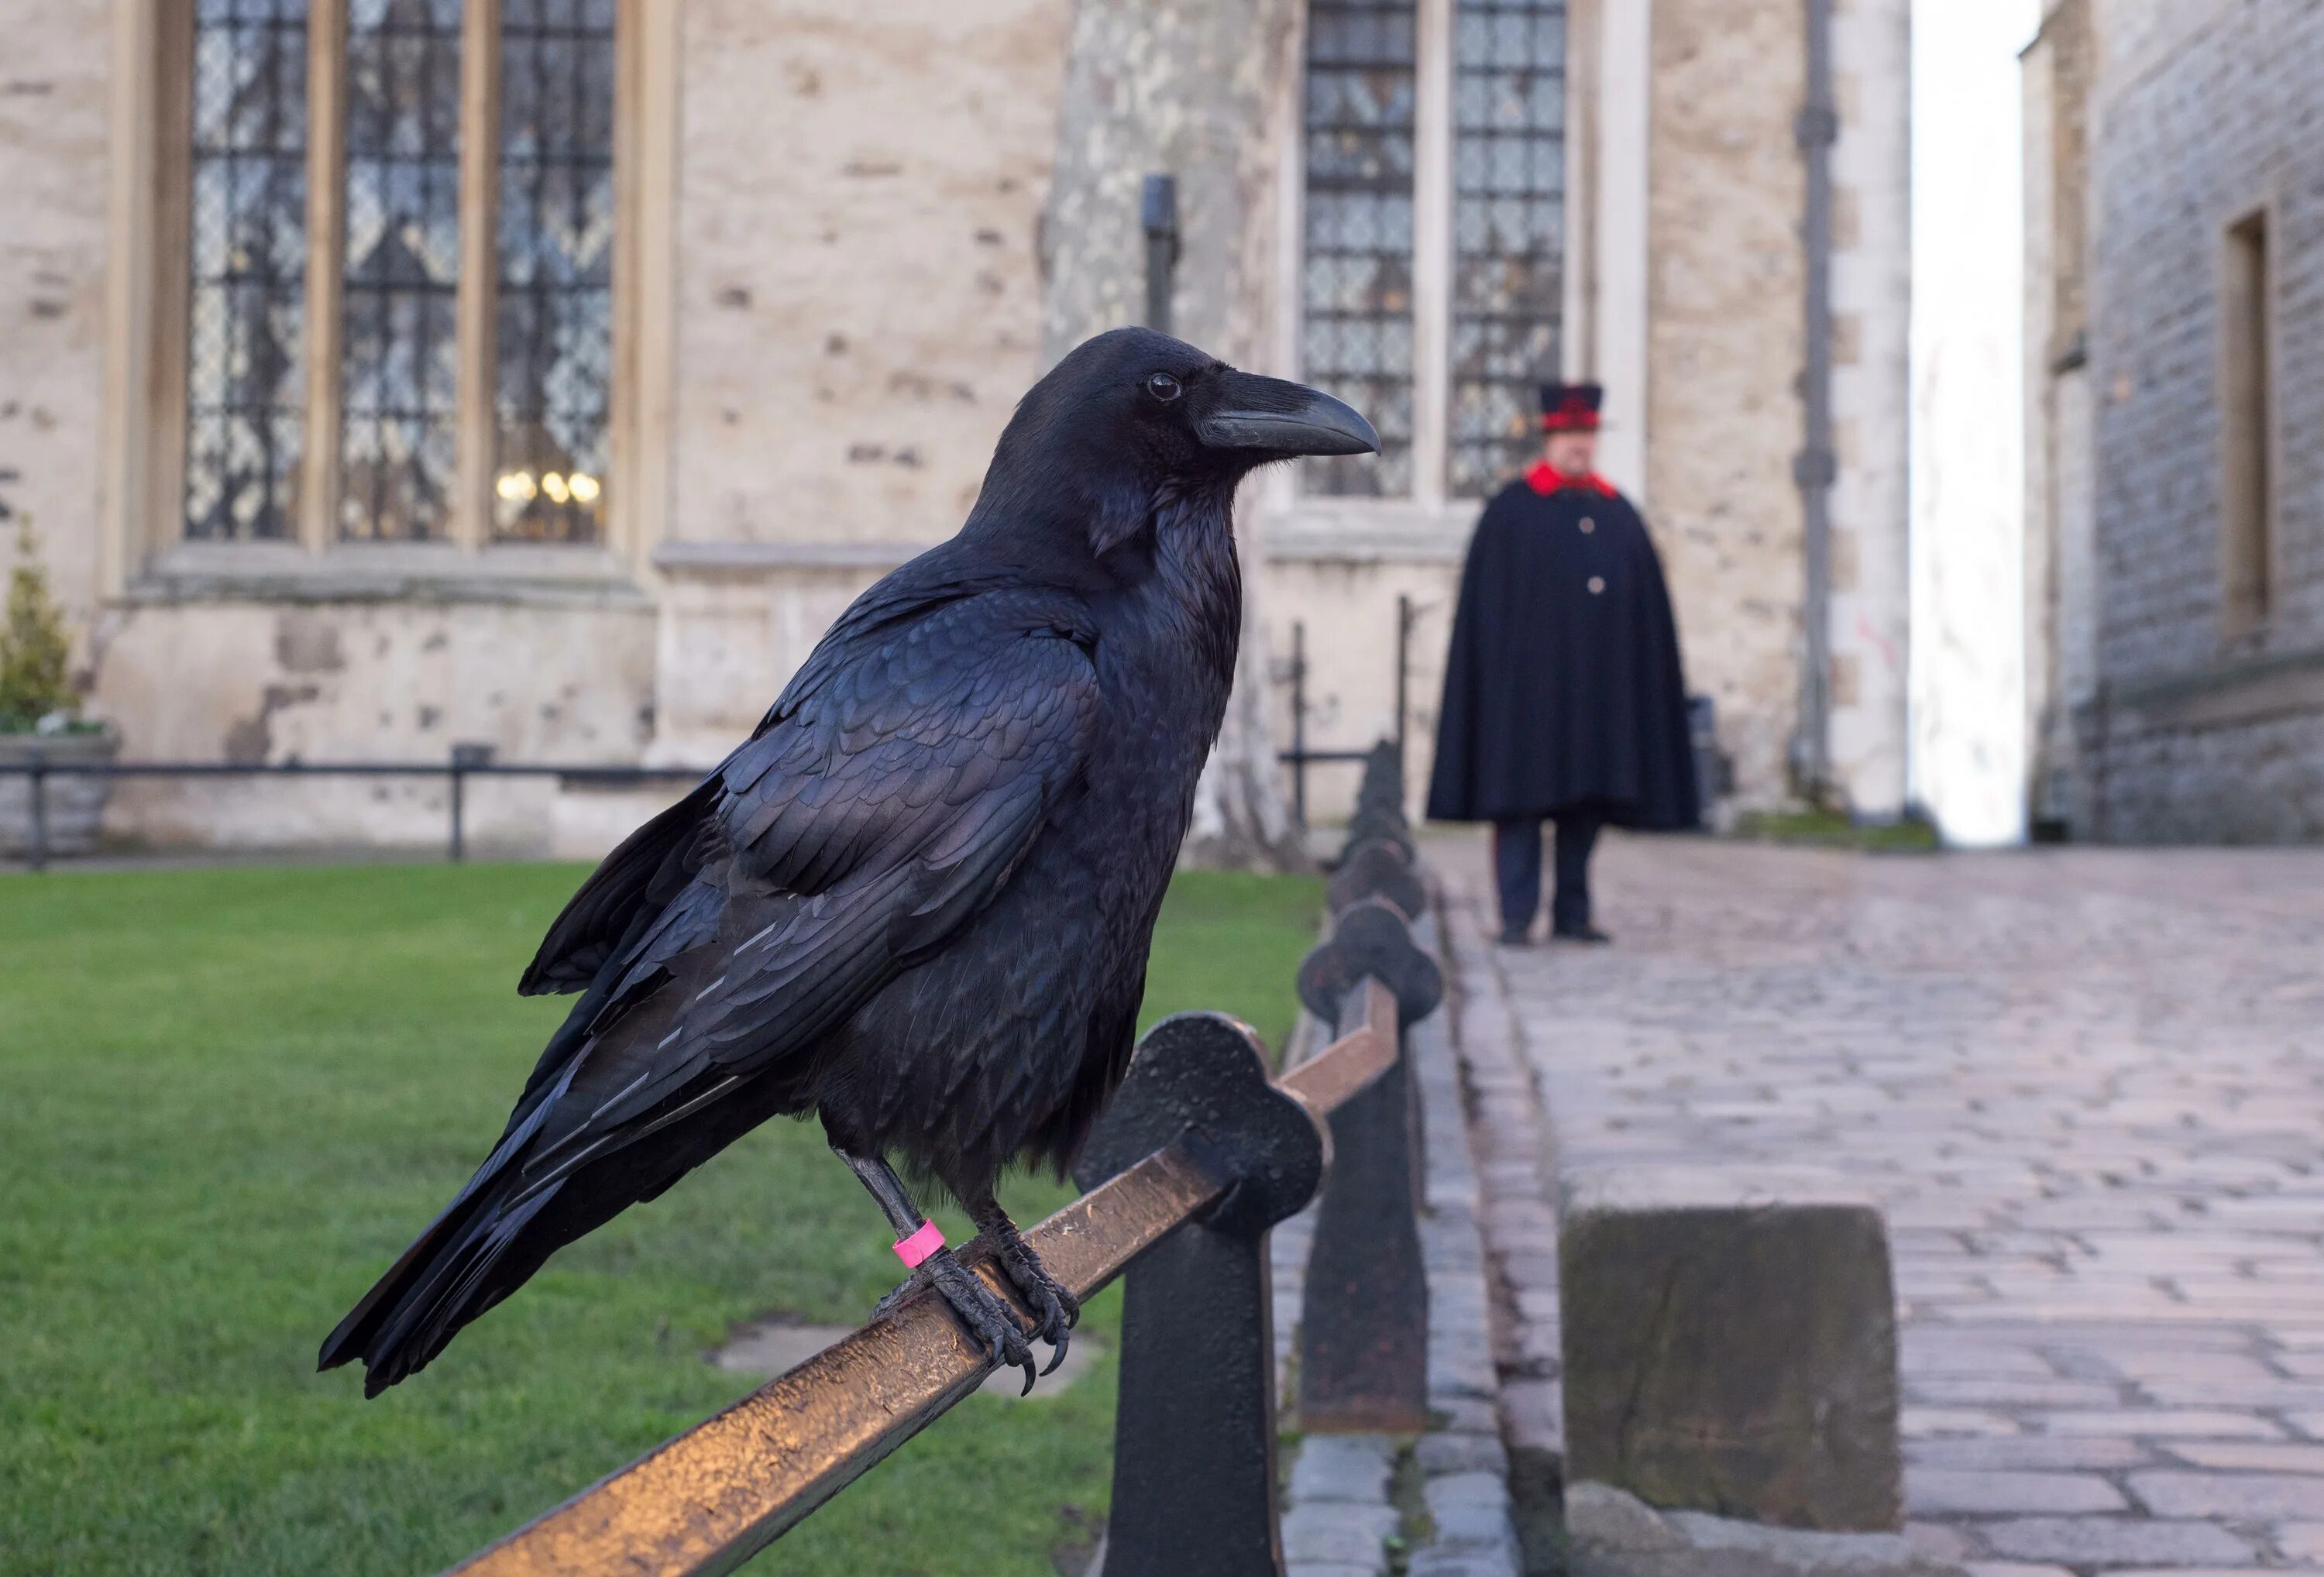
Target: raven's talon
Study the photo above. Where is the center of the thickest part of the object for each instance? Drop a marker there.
(992, 1324)
(1057, 1311)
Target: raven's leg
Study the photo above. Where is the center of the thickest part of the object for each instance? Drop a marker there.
(1057, 1308)
(991, 1323)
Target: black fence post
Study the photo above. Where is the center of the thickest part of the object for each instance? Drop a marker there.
(1403, 682)
(1158, 211)
(466, 759)
(36, 789)
(1299, 722)
(1363, 1361)
(458, 852)
(1194, 1454)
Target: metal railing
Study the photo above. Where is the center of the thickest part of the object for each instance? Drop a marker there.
(465, 761)
(1199, 1156)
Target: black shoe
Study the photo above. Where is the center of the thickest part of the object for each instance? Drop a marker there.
(1516, 938)
(1589, 934)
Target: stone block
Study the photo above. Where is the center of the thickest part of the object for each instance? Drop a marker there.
(1731, 1345)
(1343, 1468)
(1336, 1533)
(1460, 1453)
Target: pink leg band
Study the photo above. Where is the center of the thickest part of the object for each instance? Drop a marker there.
(917, 1247)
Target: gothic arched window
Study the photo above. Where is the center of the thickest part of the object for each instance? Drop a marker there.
(400, 234)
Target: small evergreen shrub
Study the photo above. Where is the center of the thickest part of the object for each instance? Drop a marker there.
(36, 691)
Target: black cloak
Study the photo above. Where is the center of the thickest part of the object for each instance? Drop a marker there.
(1563, 691)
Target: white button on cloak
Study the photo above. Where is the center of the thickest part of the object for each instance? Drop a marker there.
(1596, 585)
(1588, 525)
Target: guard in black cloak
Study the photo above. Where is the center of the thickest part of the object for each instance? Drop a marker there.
(1563, 700)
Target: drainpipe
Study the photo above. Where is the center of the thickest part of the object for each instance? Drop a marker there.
(1816, 129)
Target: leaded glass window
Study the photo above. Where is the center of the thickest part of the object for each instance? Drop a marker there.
(554, 337)
(248, 269)
(1358, 317)
(401, 321)
(1508, 197)
(422, 349)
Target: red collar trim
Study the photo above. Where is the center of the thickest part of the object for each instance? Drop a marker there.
(1545, 480)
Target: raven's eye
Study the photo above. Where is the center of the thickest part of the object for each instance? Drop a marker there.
(1163, 386)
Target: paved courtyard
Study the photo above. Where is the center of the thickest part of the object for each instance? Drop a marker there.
(2089, 1087)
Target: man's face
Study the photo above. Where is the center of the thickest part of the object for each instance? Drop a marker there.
(1573, 454)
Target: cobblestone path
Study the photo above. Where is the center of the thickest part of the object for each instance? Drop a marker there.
(2088, 1086)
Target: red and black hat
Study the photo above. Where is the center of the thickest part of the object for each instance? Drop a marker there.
(1571, 407)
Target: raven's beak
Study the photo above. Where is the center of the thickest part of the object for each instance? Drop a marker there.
(1282, 419)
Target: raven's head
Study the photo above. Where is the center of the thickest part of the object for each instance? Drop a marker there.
(1131, 417)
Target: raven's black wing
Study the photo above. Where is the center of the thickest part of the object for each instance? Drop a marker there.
(886, 799)
(653, 864)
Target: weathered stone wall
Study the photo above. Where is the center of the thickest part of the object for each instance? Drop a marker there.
(859, 300)
(209, 679)
(1725, 349)
(859, 308)
(252, 681)
(2202, 115)
(55, 101)
(1348, 606)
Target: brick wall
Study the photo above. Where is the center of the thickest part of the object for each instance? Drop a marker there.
(2198, 122)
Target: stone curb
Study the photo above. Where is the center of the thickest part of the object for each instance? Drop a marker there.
(1340, 1508)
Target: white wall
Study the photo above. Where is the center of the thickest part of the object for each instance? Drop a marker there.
(1969, 670)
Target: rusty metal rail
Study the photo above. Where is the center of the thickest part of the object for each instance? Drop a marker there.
(718, 1493)
(1201, 1153)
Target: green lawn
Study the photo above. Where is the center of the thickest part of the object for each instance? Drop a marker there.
(228, 1098)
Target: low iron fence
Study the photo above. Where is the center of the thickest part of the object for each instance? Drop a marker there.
(1299, 757)
(1202, 1152)
(465, 763)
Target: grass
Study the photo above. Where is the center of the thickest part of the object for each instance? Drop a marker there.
(228, 1098)
(1827, 829)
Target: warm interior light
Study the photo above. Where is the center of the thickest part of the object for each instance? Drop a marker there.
(515, 486)
(583, 486)
(553, 484)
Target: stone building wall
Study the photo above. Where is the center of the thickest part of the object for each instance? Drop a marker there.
(859, 192)
(56, 87)
(2203, 114)
(1725, 347)
(855, 264)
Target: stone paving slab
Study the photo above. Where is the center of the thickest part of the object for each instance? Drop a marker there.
(2087, 1087)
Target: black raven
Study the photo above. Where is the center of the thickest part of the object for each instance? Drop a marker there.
(917, 901)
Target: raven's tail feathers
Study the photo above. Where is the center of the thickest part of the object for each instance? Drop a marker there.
(469, 1260)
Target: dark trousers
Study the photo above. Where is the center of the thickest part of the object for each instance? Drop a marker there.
(1517, 867)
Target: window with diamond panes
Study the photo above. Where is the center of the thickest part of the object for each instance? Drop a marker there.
(244, 412)
(1356, 323)
(555, 311)
(398, 304)
(1509, 204)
